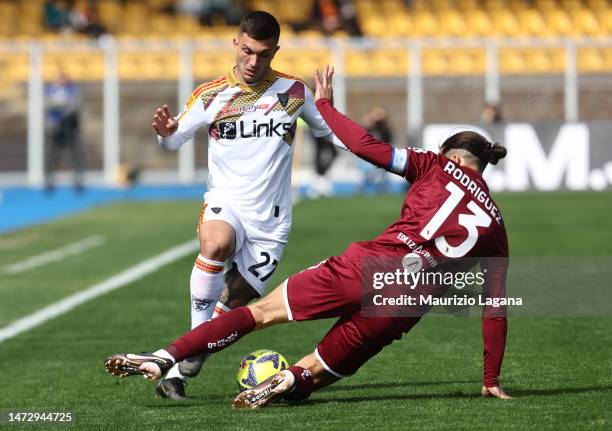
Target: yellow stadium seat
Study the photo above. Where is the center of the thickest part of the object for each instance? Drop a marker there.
(434, 63)
(585, 22)
(531, 22)
(511, 61)
(607, 58)
(505, 23)
(478, 23)
(590, 60)
(358, 63)
(426, 23)
(375, 25)
(400, 25)
(451, 23)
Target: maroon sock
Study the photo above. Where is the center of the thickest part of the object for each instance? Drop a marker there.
(304, 385)
(214, 335)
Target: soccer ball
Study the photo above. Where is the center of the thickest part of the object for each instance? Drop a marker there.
(258, 366)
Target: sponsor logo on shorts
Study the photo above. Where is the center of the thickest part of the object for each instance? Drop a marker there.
(216, 210)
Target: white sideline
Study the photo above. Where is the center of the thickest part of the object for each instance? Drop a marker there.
(119, 280)
(55, 255)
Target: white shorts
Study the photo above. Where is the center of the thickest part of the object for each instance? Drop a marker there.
(257, 252)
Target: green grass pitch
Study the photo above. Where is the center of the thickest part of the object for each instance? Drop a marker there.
(558, 369)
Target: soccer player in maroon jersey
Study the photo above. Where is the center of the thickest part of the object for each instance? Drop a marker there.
(448, 219)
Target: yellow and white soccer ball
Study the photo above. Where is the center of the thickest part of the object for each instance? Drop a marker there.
(258, 366)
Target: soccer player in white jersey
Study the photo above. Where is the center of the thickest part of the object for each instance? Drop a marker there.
(251, 116)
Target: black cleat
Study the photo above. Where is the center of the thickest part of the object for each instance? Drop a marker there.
(173, 388)
(129, 364)
(191, 367)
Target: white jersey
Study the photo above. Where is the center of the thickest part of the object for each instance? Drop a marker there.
(251, 133)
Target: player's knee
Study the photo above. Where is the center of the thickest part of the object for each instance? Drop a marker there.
(266, 313)
(214, 246)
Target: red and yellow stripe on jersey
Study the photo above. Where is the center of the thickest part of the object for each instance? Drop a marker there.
(201, 89)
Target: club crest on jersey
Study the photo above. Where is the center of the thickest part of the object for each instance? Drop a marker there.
(227, 129)
(283, 98)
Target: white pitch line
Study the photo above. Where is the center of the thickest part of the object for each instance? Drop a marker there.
(55, 255)
(119, 280)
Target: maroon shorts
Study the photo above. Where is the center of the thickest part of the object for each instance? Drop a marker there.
(329, 289)
(333, 289)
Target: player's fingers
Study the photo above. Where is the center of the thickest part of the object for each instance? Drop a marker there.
(324, 77)
(166, 110)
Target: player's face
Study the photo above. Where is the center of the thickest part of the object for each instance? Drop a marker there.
(253, 57)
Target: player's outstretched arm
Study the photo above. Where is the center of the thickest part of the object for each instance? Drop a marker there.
(494, 321)
(355, 137)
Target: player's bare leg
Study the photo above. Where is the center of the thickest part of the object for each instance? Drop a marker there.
(320, 376)
(209, 337)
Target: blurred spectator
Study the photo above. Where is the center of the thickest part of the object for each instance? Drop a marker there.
(330, 16)
(55, 15)
(376, 123)
(491, 114)
(62, 104)
(84, 19)
(73, 15)
(212, 12)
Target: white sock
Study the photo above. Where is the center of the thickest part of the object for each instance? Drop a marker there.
(206, 286)
(174, 373)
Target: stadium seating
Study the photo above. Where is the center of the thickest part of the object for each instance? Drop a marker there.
(138, 20)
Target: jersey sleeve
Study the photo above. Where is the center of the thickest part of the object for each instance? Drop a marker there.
(419, 162)
(191, 118)
(313, 117)
(360, 142)
(494, 321)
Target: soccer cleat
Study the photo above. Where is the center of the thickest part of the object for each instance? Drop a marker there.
(128, 364)
(173, 388)
(191, 367)
(266, 392)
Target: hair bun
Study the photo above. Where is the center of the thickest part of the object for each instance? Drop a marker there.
(494, 152)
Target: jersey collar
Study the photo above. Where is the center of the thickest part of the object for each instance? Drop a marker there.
(233, 81)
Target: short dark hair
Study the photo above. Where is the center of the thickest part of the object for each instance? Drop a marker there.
(478, 145)
(260, 25)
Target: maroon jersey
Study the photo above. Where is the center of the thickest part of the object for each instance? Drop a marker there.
(447, 217)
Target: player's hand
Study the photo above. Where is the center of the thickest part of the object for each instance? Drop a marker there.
(164, 123)
(323, 82)
(495, 391)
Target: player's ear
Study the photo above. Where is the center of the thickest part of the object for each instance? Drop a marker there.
(235, 42)
(458, 160)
